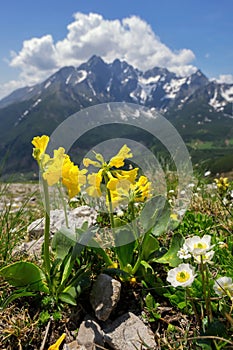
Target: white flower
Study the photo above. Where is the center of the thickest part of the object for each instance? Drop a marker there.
(198, 245)
(207, 173)
(182, 275)
(204, 258)
(183, 253)
(223, 286)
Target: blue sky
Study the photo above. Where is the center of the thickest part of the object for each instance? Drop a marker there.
(38, 37)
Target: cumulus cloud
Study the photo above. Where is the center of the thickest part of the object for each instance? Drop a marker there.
(131, 39)
(225, 78)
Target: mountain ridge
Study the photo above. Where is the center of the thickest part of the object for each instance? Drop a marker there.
(195, 105)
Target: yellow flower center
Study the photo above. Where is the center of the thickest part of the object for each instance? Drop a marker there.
(182, 276)
(200, 245)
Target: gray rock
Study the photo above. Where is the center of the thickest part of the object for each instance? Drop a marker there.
(74, 346)
(104, 296)
(128, 332)
(90, 335)
(76, 219)
(32, 248)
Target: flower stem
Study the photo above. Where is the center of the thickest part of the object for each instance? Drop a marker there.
(46, 229)
(63, 204)
(205, 283)
(193, 307)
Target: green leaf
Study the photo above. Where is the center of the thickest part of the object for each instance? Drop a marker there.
(15, 295)
(170, 257)
(151, 212)
(67, 298)
(25, 274)
(124, 252)
(149, 245)
(147, 266)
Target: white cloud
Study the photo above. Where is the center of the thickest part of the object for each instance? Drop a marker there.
(225, 78)
(131, 39)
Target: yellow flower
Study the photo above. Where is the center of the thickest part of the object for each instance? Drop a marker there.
(113, 266)
(141, 189)
(72, 177)
(87, 162)
(58, 343)
(40, 143)
(123, 191)
(174, 216)
(133, 280)
(222, 183)
(94, 180)
(130, 175)
(106, 174)
(53, 168)
(118, 160)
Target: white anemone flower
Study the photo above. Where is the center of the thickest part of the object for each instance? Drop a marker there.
(223, 286)
(199, 245)
(182, 275)
(204, 258)
(183, 253)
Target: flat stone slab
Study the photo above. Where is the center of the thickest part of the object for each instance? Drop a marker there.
(128, 332)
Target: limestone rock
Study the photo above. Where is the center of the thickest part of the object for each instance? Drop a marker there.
(104, 296)
(128, 332)
(32, 248)
(90, 335)
(76, 218)
(74, 346)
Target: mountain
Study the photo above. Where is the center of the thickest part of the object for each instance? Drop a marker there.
(200, 109)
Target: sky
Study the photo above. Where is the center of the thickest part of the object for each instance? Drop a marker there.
(39, 37)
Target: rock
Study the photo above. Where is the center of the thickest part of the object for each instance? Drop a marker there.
(76, 218)
(90, 335)
(74, 346)
(104, 296)
(32, 248)
(128, 332)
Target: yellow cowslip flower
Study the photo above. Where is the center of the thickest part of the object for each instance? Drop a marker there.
(53, 167)
(40, 143)
(87, 162)
(58, 343)
(130, 175)
(94, 180)
(222, 183)
(72, 177)
(124, 191)
(141, 189)
(118, 160)
(106, 174)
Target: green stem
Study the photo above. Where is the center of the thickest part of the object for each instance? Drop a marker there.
(204, 275)
(46, 229)
(63, 204)
(208, 304)
(193, 307)
(110, 208)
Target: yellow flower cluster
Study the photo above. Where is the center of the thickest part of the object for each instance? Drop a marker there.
(222, 183)
(122, 185)
(59, 168)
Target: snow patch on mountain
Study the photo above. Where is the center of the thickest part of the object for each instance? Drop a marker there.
(228, 94)
(173, 87)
